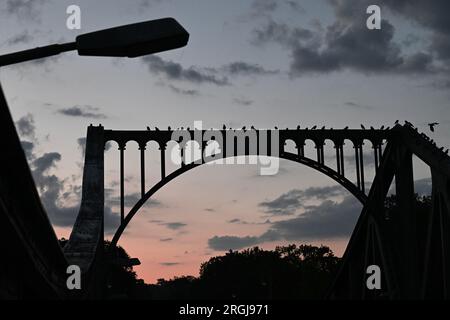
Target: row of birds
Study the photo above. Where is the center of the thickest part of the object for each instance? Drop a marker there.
(244, 128)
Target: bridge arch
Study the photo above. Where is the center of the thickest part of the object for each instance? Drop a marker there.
(347, 184)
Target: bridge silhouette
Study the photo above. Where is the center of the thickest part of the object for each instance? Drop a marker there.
(389, 242)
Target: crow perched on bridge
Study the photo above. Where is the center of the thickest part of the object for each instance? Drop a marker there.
(148, 128)
(432, 125)
(362, 127)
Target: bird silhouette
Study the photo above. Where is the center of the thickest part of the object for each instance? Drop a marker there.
(397, 122)
(243, 128)
(169, 128)
(323, 128)
(156, 128)
(224, 127)
(298, 127)
(253, 128)
(362, 127)
(148, 128)
(372, 128)
(346, 128)
(313, 127)
(382, 127)
(276, 128)
(432, 125)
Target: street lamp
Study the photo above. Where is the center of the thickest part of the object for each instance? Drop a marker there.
(131, 41)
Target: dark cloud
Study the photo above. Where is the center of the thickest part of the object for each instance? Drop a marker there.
(28, 148)
(166, 239)
(289, 202)
(175, 71)
(345, 44)
(247, 69)
(232, 242)
(432, 16)
(83, 112)
(328, 220)
(26, 126)
(243, 102)
(174, 225)
(210, 209)
(169, 264)
(60, 197)
(185, 92)
(199, 75)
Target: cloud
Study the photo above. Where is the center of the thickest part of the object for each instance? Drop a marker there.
(185, 92)
(246, 69)
(131, 199)
(24, 9)
(289, 202)
(346, 44)
(174, 225)
(169, 264)
(23, 37)
(85, 111)
(61, 198)
(232, 242)
(26, 126)
(356, 105)
(28, 148)
(165, 239)
(243, 101)
(200, 75)
(175, 71)
(265, 8)
(328, 220)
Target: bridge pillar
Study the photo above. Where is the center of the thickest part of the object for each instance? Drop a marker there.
(85, 245)
(405, 225)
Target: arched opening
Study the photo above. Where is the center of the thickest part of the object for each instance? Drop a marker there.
(207, 205)
(290, 146)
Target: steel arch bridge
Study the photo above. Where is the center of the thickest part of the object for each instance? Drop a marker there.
(389, 243)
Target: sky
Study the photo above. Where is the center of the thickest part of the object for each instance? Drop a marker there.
(264, 63)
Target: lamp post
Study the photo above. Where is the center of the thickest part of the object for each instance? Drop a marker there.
(133, 40)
